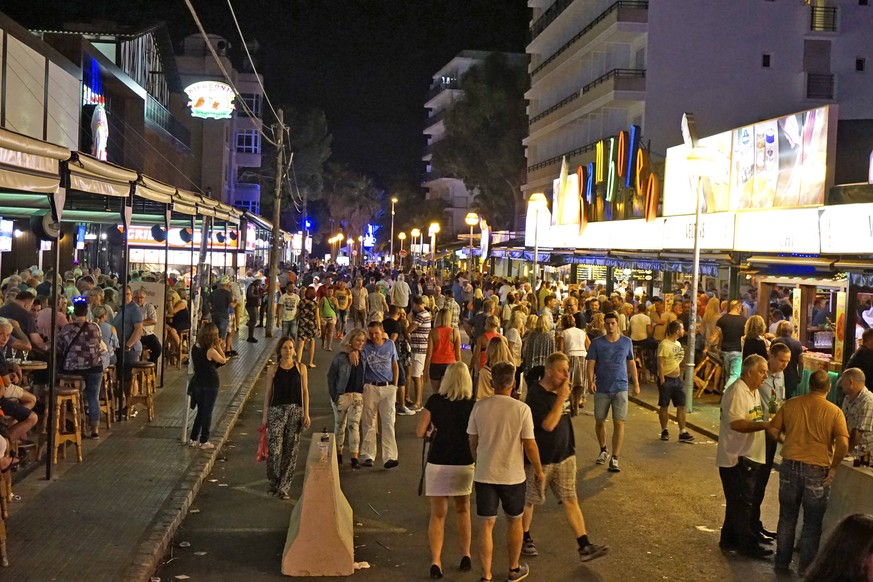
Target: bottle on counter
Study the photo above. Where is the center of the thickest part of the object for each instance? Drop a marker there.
(323, 445)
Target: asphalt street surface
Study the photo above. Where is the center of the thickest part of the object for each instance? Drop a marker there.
(660, 516)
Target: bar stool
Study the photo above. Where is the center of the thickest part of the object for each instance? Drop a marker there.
(641, 361)
(107, 396)
(68, 400)
(184, 347)
(143, 388)
(709, 370)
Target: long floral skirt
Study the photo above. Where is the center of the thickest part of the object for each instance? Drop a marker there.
(284, 425)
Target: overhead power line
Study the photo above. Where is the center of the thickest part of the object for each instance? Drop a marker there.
(251, 62)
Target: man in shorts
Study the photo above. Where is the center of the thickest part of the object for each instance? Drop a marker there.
(419, 330)
(501, 435)
(670, 387)
(610, 364)
(550, 408)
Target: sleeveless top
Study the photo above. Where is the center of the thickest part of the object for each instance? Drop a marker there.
(182, 320)
(287, 387)
(490, 335)
(205, 370)
(444, 348)
(327, 309)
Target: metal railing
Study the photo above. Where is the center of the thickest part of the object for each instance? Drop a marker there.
(547, 17)
(823, 19)
(161, 116)
(435, 117)
(819, 86)
(440, 87)
(546, 163)
(588, 28)
(569, 99)
(614, 73)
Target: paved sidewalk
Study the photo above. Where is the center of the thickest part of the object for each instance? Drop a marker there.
(112, 516)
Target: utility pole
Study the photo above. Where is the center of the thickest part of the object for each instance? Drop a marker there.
(277, 210)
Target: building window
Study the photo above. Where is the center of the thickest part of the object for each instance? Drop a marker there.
(253, 206)
(860, 65)
(253, 101)
(248, 141)
(765, 60)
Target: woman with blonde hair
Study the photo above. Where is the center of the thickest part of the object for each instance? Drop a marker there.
(754, 341)
(449, 469)
(443, 348)
(597, 327)
(710, 318)
(536, 348)
(496, 352)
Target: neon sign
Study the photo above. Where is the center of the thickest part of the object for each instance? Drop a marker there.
(210, 100)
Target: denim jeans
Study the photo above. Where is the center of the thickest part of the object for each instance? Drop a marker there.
(800, 485)
(204, 398)
(92, 396)
(733, 363)
(289, 328)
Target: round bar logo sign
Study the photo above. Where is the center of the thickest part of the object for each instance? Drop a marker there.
(210, 100)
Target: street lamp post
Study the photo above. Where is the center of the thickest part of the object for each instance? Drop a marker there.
(393, 202)
(339, 243)
(472, 219)
(432, 230)
(537, 201)
(415, 234)
(402, 237)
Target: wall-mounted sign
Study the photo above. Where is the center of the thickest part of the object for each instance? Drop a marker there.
(6, 228)
(847, 229)
(716, 232)
(210, 100)
(779, 163)
(778, 231)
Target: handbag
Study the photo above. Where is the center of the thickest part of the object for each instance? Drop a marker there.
(427, 440)
(70, 345)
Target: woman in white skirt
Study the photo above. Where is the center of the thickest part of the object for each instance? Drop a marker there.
(574, 342)
(449, 469)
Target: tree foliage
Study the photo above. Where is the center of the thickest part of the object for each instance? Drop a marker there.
(412, 210)
(351, 199)
(483, 141)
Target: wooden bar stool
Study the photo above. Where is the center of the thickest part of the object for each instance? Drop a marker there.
(75, 382)
(184, 347)
(107, 395)
(67, 400)
(709, 370)
(143, 388)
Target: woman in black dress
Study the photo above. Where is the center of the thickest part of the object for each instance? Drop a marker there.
(286, 416)
(207, 356)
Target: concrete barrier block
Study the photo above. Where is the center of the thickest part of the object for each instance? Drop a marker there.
(320, 538)
(850, 494)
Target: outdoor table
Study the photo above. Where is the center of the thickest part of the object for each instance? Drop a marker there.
(28, 367)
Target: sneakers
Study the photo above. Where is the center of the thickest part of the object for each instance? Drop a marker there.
(355, 465)
(519, 573)
(367, 463)
(665, 435)
(391, 463)
(613, 465)
(592, 552)
(528, 548)
(602, 457)
(207, 446)
(193, 444)
(686, 437)
(404, 411)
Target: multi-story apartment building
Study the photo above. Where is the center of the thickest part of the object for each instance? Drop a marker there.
(230, 147)
(599, 66)
(446, 89)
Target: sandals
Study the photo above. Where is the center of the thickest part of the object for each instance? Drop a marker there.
(14, 462)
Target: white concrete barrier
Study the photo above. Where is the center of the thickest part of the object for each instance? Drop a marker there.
(850, 494)
(320, 538)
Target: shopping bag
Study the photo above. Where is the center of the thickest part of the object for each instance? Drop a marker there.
(262, 444)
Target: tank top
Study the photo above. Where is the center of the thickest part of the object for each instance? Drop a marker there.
(205, 370)
(327, 309)
(444, 348)
(287, 387)
(490, 335)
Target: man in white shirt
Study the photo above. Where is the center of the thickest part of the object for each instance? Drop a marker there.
(149, 340)
(858, 408)
(501, 435)
(400, 293)
(739, 453)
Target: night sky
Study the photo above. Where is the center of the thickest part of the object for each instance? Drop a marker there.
(366, 63)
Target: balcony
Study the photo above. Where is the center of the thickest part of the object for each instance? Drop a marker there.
(438, 88)
(158, 115)
(819, 86)
(435, 117)
(547, 18)
(822, 19)
(622, 11)
(531, 170)
(614, 80)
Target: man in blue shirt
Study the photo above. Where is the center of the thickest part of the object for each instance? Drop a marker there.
(380, 392)
(610, 364)
(129, 319)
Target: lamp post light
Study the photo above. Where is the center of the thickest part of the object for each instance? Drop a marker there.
(339, 243)
(361, 247)
(415, 234)
(402, 237)
(538, 202)
(472, 219)
(393, 202)
(432, 230)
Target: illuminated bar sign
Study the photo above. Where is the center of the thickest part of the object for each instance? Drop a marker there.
(210, 100)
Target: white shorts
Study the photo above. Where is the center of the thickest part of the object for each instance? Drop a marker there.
(13, 392)
(418, 365)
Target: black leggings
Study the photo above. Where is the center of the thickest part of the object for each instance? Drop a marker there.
(204, 399)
